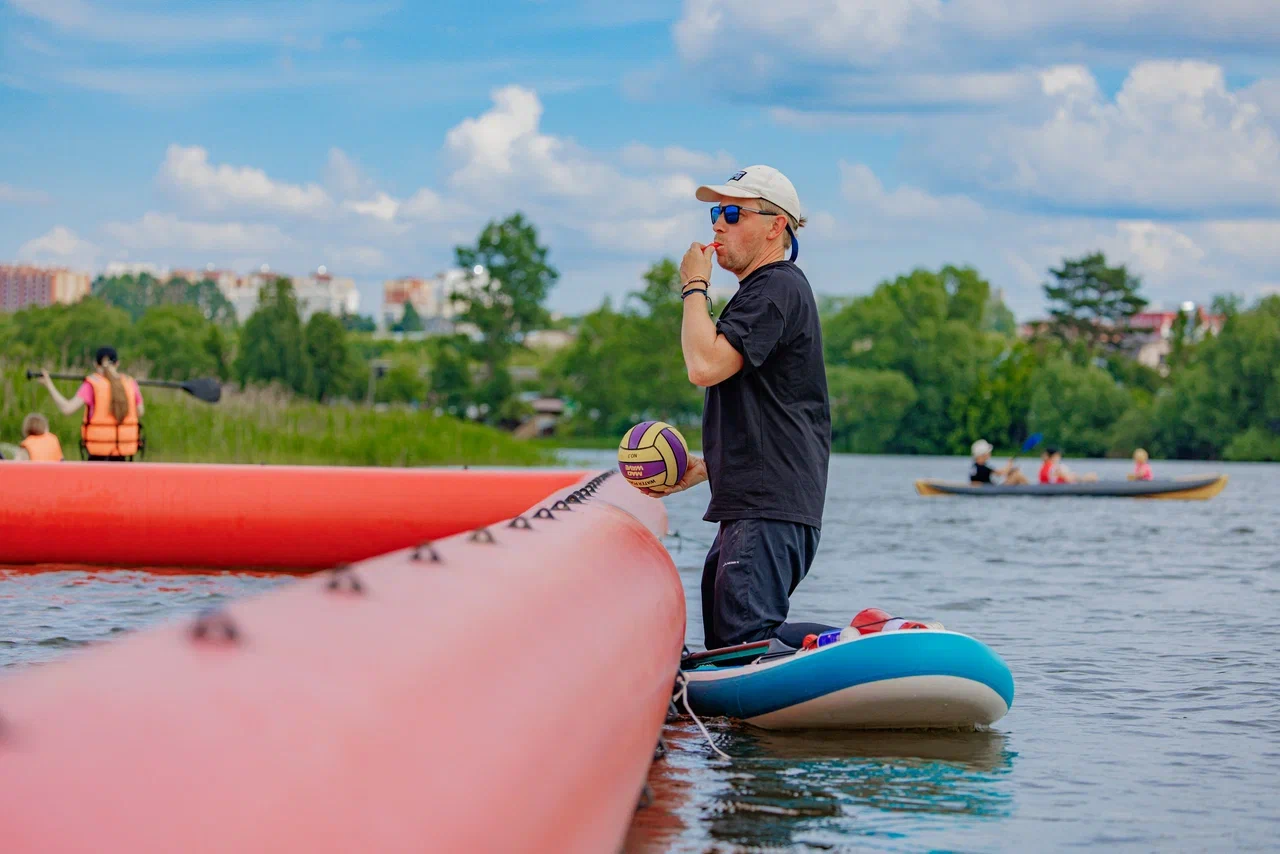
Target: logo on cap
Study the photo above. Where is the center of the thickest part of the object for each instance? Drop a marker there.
(738, 176)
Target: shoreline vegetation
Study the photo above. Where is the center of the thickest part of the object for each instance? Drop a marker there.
(925, 364)
(267, 425)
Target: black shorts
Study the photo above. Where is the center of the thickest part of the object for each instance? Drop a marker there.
(752, 569)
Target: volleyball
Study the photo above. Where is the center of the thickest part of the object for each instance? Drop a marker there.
(653, 455)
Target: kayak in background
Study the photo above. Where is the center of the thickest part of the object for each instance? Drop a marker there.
(1199, 487)
(913, 679)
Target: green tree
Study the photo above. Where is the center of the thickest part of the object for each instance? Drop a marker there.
(927, 327)
(450, 383)
(358, 323)
(330, 359)
(867, 407)
(1077, 407)
(1092, 303)
(219, 351)
(506, 299)
(173, 339)
(411, 321)
(627, 366)
(272, 343)
(66, 336)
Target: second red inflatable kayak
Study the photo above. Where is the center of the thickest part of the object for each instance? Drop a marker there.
(245, 516)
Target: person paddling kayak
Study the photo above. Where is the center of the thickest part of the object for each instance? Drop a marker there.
(113, 405)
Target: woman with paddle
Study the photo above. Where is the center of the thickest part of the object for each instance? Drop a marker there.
(113, 404)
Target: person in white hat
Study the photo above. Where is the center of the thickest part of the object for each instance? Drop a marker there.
(980, 473)
(766, 424)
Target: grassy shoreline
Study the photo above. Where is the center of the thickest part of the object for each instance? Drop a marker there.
(268, 426)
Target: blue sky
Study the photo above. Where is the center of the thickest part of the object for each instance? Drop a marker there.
(374, 136)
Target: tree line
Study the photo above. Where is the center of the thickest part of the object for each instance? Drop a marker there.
(924, 364)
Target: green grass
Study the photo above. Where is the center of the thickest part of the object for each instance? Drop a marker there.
(268, 426)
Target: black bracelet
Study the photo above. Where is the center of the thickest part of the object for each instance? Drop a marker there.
(702, 291)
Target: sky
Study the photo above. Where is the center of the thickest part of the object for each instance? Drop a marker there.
(373, 136)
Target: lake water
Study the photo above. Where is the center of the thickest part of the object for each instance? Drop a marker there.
(1142, 636)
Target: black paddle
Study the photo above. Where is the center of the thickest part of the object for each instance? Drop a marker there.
(206, 388)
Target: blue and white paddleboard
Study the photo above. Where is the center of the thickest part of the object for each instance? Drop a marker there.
(908, 679)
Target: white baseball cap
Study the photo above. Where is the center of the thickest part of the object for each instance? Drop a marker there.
(981, 448)
(756, 182)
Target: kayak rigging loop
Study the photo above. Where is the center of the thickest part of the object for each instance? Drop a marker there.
(543, 513)
(345, 580)
(481, 535)
(682, 694)
(573, 498)
(660, 751)
(520, 522)
(215, 626)
(417, 551)
(561, 505)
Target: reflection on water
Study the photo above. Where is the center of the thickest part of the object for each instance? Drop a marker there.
(782, 790)
(49, 609)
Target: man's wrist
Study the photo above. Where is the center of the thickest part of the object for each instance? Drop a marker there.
(694, 281)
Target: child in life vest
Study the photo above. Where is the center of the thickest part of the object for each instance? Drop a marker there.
(38, 444)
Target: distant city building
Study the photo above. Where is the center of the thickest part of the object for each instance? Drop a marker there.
(432, 298)
(548, 339)
(23, 285)
(135, 269)
(1150, 337)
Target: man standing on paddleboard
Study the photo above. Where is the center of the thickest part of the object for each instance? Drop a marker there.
(766, 423)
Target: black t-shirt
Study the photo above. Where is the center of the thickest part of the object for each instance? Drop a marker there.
(981, 472)
(766, 430)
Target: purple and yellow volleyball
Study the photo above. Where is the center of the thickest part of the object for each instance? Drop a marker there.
(653, 455)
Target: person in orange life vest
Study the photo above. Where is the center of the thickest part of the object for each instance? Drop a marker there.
(38, 444)
(113, 406)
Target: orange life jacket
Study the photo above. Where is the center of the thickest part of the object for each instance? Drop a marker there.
(102, 435)
(42, 448)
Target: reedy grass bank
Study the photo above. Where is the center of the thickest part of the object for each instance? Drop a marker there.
(263, 425)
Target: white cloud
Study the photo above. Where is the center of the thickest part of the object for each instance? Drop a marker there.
(853, 32)
(187, 172)
(503, 159)
(1173, 139)
(138, 23)
(859, 185)
(381, 206)
(12, 195)
(345, 177)
(59, 245)
(164, 231)
(674, 157)
(908, 34)
(357, 258)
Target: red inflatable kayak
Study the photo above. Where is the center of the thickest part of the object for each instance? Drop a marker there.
(246, 516)
(501, 690)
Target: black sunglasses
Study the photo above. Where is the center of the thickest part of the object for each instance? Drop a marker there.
(732, 212)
